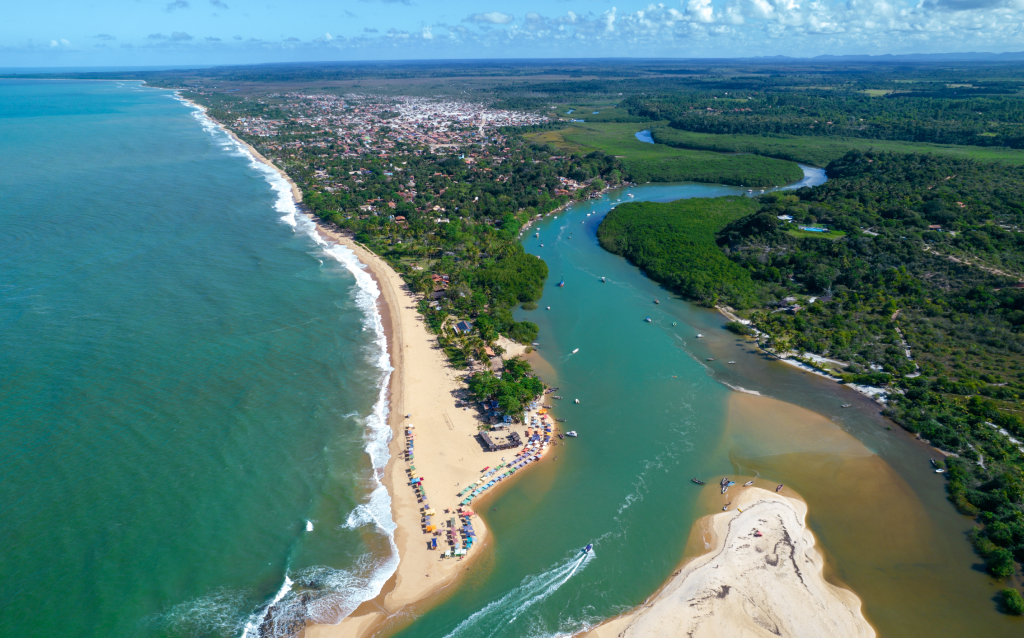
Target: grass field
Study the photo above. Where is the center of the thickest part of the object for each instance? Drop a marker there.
(605, 113)
(647, 162)
(804, 234)
(819, 151)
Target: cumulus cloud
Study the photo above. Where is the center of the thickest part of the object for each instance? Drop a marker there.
(491, 17)
(211, 39)
(389, 1)
(370, 30)
(236, 37)
(220, 4)
(177, 4)
(180, 36)
(104, 36)
(292, 40)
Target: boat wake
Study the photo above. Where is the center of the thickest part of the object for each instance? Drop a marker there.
(500, 613)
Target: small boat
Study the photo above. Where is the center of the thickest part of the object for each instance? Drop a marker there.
(537, 235)
(725, 488)
(577, 400)
(309, 526)
(571, 433)
(542, 245)
(846, 405)
(554, 397)
(748, 484)
(602, 280)
(726, 508)
(648, 320)
(712, 358)
(656, 301)
(700, 336)
(732, 362)
(575, 351)
(549, 307)
(674, 324)
(940, 471)
(560, 420)
(586, 550)
(698, 481)
(779, 487)
(561, 283)
(934, 464)
(561, 436)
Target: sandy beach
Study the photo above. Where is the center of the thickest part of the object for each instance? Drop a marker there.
(448, 455)
(762, 576)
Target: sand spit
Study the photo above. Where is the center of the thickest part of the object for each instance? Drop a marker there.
(448, 455)
(749, 586)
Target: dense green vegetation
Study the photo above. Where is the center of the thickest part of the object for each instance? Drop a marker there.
(674, 244)
(1013, 601)
(513, 389)
(921, 293)
(645, 162)
(819, 151)
(980, 116)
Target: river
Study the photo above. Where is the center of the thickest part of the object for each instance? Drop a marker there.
(653, 414)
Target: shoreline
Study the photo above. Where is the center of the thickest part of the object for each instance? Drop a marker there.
(423, 385)
(746, 584)
(876, 394)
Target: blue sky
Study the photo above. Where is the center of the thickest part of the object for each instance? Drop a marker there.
(173, 32)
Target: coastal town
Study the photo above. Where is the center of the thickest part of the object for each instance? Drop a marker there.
(357, 125)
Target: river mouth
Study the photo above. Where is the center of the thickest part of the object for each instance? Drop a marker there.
(653, 414)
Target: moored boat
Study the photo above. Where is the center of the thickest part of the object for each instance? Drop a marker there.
(648, 320)
(748, 484)
(698, 481)
(571, 433)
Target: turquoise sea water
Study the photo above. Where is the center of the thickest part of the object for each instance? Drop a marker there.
(187, 380)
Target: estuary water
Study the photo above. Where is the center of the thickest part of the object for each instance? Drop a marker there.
(189, 381)
(654, 413)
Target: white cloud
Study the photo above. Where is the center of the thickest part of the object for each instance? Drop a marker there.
(492, 17)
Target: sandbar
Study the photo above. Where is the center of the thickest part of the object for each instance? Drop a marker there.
(749, 585)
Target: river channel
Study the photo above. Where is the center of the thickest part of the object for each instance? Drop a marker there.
(654, 413)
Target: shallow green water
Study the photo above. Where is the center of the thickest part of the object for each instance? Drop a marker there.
(186, 378)
(652, 415)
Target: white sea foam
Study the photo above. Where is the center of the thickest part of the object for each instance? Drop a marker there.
(337, 592)
(741, 389)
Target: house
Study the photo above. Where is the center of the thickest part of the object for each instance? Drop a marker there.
(934, 227)
(463, 327)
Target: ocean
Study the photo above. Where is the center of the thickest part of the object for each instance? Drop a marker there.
(192, 384)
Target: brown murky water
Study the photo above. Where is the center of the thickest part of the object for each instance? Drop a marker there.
(906, 558)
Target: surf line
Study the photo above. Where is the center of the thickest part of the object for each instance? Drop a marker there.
(377, 509)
